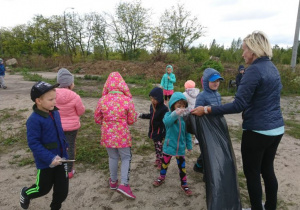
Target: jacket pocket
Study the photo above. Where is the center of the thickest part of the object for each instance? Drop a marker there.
(50, 146)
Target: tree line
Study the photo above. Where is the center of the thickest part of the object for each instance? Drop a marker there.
(128, 34)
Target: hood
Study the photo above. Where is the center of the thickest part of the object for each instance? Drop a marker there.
(115, 82)
(206, 75)
(157, 93)
(169, 66)
(176, 97)
(193, 92)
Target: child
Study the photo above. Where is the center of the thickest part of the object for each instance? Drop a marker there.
(157, 130)
(70, 108)
(208, 97)
(177, 140)
(239, 76)
(167, 83)
(46, 140)
(191, 93)
(2, 74)
(114, 112)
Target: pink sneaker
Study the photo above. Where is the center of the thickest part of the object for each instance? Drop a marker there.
(125, 190)
(113, 186)
(71, 174)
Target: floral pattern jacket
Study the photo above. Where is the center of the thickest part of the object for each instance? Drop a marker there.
(114, 112)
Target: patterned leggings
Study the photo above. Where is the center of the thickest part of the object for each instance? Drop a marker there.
(158, 149)
(181, 166)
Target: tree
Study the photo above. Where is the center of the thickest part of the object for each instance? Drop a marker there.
(100, 33)
(131, 28)
(180, 28)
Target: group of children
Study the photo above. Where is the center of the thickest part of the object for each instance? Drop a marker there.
(53, 125)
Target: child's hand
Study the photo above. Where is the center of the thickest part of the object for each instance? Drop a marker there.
(55, 162)
(179, 111)
(168, 77)
(140, 115)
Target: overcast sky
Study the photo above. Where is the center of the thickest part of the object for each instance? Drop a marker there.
(224, 20)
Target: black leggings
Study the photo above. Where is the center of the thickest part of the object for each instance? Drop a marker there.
(258, 154)
(47, 178)
(167, 97)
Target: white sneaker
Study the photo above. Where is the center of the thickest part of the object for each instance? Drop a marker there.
(196, 141)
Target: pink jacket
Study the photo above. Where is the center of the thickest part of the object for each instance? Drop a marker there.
(70, 108)
(114, 112)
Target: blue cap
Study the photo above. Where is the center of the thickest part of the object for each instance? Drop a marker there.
(214, 77)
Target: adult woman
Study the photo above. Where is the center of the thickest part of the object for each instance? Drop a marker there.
(258, 96)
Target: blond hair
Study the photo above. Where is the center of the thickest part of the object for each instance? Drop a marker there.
(259, 44)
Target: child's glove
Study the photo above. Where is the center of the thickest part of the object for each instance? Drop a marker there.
(55, 162)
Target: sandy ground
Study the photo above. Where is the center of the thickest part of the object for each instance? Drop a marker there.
(89, 188)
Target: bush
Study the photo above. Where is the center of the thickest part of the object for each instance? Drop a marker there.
(212, 64)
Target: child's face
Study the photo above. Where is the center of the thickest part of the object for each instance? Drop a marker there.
(169, 70)
(214, 85)
(47, 101)
(153, 100)
(180, 104)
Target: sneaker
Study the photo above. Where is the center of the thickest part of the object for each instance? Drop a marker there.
(125, 190)
(186, 190)
(24, 200)
(113, 186)
(196, 142)
(71, 174)
(158, 181)
(198, 169)
(4, 87)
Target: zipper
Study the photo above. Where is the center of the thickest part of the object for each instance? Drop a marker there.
(152, 124)
(178, 136)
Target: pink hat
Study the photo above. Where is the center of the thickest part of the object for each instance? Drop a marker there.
(189, 84)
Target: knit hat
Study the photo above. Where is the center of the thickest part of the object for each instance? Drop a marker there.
(241, 67)
(64, 78)
(189, 84)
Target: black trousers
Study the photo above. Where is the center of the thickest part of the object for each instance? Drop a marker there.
(258, 154)
(57, 178)
(71, 140)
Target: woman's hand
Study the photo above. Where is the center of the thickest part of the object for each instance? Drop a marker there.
(199, 111)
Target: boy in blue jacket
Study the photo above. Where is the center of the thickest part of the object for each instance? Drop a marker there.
(2, 74)
(208, 97)
(46, 140)
(176, 141)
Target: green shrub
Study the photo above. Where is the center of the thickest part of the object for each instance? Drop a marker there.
(212, 64)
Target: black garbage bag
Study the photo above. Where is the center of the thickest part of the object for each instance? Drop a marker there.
(222, 190)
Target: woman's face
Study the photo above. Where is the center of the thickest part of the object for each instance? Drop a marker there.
(248, 55)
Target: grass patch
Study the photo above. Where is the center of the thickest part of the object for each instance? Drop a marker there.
(235, 133)
(293, 128)
(88, 149)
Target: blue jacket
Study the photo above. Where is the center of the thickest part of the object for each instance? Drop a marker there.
(166, 83)
(157, 129)
(208, 97)
(177, 138)
(45, 137)
(2, 70)
(258, 96)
